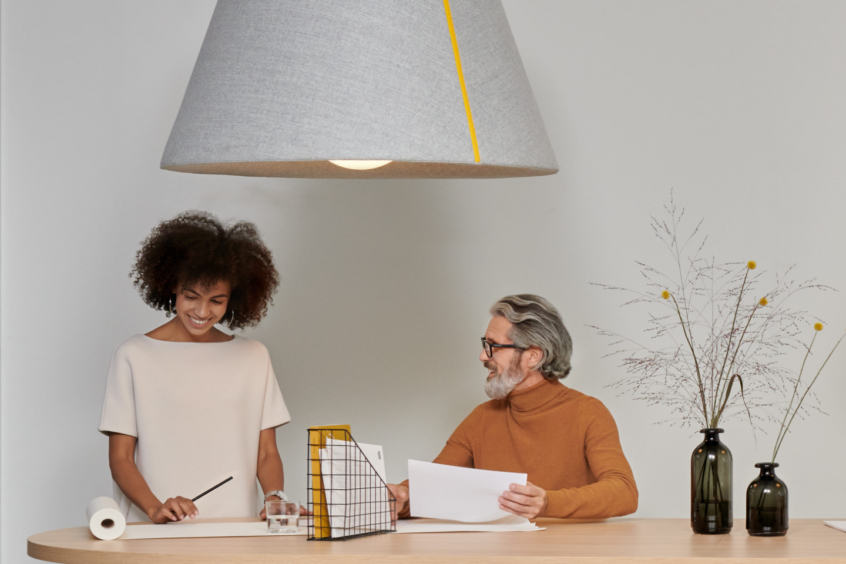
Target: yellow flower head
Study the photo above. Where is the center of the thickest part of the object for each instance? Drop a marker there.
(665, 294)
(818, 326)
(751, 265)
(763, 301)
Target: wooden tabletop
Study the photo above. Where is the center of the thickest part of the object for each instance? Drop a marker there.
(641, 541)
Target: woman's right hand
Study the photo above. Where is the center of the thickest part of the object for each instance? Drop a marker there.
(133, 485)
(173, 509)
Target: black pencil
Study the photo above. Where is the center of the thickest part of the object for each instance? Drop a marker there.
(212, 489)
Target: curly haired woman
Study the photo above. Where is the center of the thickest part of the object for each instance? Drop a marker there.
(187, 405)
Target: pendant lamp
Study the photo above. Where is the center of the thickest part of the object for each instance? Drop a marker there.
(359, 89)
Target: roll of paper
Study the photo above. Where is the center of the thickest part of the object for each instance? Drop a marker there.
(105, 519)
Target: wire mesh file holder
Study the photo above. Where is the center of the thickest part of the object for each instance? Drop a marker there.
(346, 496)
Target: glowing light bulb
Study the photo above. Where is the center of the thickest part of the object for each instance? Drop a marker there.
(360, 165)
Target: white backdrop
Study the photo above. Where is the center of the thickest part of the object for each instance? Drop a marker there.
(385, 285)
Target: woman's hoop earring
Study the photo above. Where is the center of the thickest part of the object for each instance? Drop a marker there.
(231, 319)
(171, 305)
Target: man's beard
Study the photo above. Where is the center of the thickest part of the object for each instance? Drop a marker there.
(499, 386)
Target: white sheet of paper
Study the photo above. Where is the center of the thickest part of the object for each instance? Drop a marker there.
(468, 495)
(374, 454)
(839, 525)
(357, 497)
(504, 525)
(202, 530)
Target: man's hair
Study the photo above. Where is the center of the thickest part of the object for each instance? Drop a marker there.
(536, 323)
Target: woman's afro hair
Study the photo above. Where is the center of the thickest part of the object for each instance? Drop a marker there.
(195, 248)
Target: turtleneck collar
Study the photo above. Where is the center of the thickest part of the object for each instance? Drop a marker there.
(536, 396)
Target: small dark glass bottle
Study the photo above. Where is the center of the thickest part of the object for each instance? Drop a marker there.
(710, 486)
(766, 503)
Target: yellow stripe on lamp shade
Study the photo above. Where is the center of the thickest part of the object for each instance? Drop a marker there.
(461, 80)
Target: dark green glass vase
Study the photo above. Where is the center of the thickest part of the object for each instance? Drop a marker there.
(710, 486)
(766, 503)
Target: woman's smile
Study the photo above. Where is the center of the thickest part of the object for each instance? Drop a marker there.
(198, 322)
(199, 307)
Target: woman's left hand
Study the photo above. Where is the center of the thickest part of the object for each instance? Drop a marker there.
(303, 511)
(263, 514)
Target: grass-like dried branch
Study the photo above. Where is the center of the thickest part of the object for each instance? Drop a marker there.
(714, 333)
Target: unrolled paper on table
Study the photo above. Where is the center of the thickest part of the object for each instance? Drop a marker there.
(469, 495)
(506, 525)
(183, 530)
(107, 523)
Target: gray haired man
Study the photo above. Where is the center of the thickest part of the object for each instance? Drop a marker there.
(566, 441)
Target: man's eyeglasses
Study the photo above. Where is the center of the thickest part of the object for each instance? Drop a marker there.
(489, 347)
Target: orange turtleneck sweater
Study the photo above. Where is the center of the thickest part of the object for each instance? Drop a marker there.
(566, 441)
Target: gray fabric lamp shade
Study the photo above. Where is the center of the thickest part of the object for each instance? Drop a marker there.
(437, 87)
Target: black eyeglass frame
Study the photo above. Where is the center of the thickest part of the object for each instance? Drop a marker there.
(489, 347)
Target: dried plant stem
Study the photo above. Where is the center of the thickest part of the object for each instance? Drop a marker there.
(784, 430)
(742, 396)
(719, 414)
(695, 377)
(695, 362)
(728, 347)
(792, 397)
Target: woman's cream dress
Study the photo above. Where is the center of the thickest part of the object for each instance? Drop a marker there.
(197, 410)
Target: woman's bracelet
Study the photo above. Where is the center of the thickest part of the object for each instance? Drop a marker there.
(278, 493)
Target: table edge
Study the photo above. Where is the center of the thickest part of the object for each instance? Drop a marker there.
(61, 555)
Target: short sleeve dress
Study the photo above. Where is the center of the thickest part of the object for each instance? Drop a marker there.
(197, 410)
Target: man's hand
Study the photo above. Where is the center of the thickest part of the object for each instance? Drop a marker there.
(527, 501)
(400, 493)
(174, 509)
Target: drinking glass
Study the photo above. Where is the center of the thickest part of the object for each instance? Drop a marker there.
(282, 516)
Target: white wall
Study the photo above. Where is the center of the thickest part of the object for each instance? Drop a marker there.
(385, 285)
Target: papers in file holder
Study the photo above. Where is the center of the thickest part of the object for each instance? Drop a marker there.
(347, 486)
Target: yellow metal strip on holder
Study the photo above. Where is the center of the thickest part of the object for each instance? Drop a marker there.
(461, 80)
